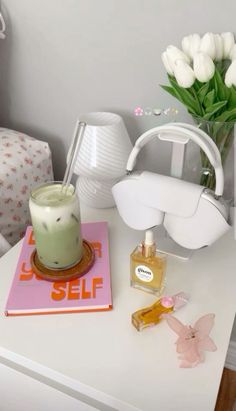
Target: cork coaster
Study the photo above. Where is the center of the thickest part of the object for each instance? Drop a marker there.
(65, 274)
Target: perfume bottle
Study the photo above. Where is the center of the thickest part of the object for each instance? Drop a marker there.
(147, 266)
(152, 315)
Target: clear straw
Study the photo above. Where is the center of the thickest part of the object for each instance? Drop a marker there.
(75, 146)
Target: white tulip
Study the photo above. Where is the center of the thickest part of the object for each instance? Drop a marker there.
(232, 55)
(166, 62)
(203, 67)
(228, 43)
(186, 41)
(191, 44)
(184, 74)
(208, 45)
(230, 76)
(173, 54)
(219, 47)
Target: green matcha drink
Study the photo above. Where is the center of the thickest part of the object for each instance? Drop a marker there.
(56, 223)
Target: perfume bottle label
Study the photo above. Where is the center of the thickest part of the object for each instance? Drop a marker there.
(144, 273)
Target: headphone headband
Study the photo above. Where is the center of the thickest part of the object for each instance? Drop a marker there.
(181, 133)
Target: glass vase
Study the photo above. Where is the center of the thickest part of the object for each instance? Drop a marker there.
(222, 133)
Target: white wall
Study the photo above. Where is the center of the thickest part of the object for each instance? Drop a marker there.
(65, 57)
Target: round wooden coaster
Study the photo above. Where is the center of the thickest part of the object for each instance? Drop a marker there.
(65, 274)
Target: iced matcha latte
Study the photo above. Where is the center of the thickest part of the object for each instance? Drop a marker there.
(56, 223)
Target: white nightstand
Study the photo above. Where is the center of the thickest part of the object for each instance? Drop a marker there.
(100, 359)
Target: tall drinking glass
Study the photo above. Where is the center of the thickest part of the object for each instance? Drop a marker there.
(55, 215)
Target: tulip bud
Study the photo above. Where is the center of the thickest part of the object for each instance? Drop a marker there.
(228, 43)
(186, 41)
(203, 66)
(230, 75)
(191, 44)
(173, 54)
(184, 74)
(166, 63)
(207, 45)
(218, 47)
(233, 53)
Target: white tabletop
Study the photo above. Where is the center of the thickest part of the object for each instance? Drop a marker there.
(101, 359)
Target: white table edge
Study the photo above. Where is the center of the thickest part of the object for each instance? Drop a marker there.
(61, 382)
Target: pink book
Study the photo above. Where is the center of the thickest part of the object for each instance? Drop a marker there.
(91, 292)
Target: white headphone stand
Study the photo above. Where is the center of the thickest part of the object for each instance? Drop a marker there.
(165, 244)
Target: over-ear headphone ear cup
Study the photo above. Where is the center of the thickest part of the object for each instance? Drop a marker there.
(134, 213)
(199, 230)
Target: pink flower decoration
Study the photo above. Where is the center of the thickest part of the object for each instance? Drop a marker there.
(193, 341)
(24, 190)
(16, 218)
(28, 160)
(138, 111)
(8, 200)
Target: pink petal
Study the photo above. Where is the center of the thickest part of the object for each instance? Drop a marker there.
(174, 324)
(192, 355)
(183, 345)
(185, 364)
(204, 325)
(207, 344)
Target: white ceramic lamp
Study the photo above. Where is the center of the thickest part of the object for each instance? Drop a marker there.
(95, 193)
(102, 158)
(105, 147)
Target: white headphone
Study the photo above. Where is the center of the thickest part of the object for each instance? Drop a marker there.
(193, 216)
